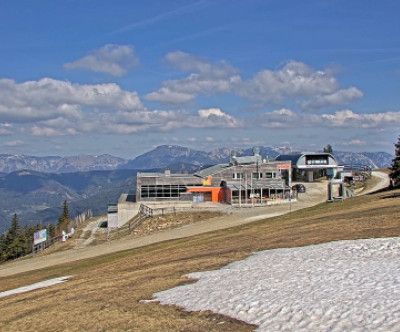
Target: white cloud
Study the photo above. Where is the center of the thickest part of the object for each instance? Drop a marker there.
(12, 144)
(348, 118)
(55, 108)
(131, 122)
(47, 131)
(167, 95)
(208, 78)
(338, 98)
(188, 62)
(299, 82)
(286, 118)
(115, 60)
(295, 79)
(213, 118)
(48, 99)
(294, 82)
(282, 118)
(5, 129)
(354, 142)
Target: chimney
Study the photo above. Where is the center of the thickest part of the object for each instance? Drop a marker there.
(167, 172)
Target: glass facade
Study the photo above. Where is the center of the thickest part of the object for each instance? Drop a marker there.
(162, 191)
(316, 160)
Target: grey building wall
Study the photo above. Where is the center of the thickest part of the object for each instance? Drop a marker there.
(164, 186)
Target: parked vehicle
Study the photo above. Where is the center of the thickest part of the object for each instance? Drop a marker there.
(300, 188)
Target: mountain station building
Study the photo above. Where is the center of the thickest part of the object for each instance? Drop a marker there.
(306, 165)
(249, 180)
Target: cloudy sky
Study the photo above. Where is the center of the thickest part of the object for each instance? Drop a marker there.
(121, 77)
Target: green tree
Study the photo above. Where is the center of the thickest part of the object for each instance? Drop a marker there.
(64, 218)
(3, 248)
(15, 227)
(15, 243)
(51, 229)
(328, 149)
(23, 244)
(395, 168)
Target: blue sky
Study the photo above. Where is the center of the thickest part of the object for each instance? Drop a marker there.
(121, 77)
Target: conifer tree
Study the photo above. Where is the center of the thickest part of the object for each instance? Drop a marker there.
(66, 210)
(64, 216)
(15, 228)
(395, 168)
(3, 248)
(328, 149)
(15, 243)
(51, 229)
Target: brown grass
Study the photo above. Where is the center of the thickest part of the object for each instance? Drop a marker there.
(104, 293)
(156, 224)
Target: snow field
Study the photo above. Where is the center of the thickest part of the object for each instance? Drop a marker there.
(336, 286)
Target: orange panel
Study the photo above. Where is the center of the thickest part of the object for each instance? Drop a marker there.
(214, 192)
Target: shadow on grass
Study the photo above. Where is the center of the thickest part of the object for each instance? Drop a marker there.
(393, 195)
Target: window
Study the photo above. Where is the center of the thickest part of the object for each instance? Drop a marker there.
(162, 191)
(316, 160)
(270, 175)
(237, 176)
(256, 175)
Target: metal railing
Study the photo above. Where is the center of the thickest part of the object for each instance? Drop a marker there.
(161, 211)
(358, 168)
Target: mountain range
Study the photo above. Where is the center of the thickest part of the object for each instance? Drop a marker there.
(163, 156)
(36, 187)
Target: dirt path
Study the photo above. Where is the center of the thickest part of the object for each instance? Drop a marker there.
(91, 227)
(383, 182)
(316, 193)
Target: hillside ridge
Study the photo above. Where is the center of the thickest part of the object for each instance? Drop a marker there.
(162, 156)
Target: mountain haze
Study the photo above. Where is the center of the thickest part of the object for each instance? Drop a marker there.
(38, 197)
(35, 187)
(54, 164)
(162, 156)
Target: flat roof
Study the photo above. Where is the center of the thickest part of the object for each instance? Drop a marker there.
(211, 170)
(152, 175)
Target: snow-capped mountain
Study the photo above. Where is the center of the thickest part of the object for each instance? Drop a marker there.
(165, 155)
(55, 164)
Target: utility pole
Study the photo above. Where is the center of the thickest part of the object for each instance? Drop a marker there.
(240, 190)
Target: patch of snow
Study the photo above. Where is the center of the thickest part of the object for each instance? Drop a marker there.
(337, 286)
(41, 284)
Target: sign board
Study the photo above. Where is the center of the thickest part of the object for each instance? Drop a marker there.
(40, 236)
(112, 220)
(283, 166)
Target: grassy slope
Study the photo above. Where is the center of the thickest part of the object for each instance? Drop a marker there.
(105, 292)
